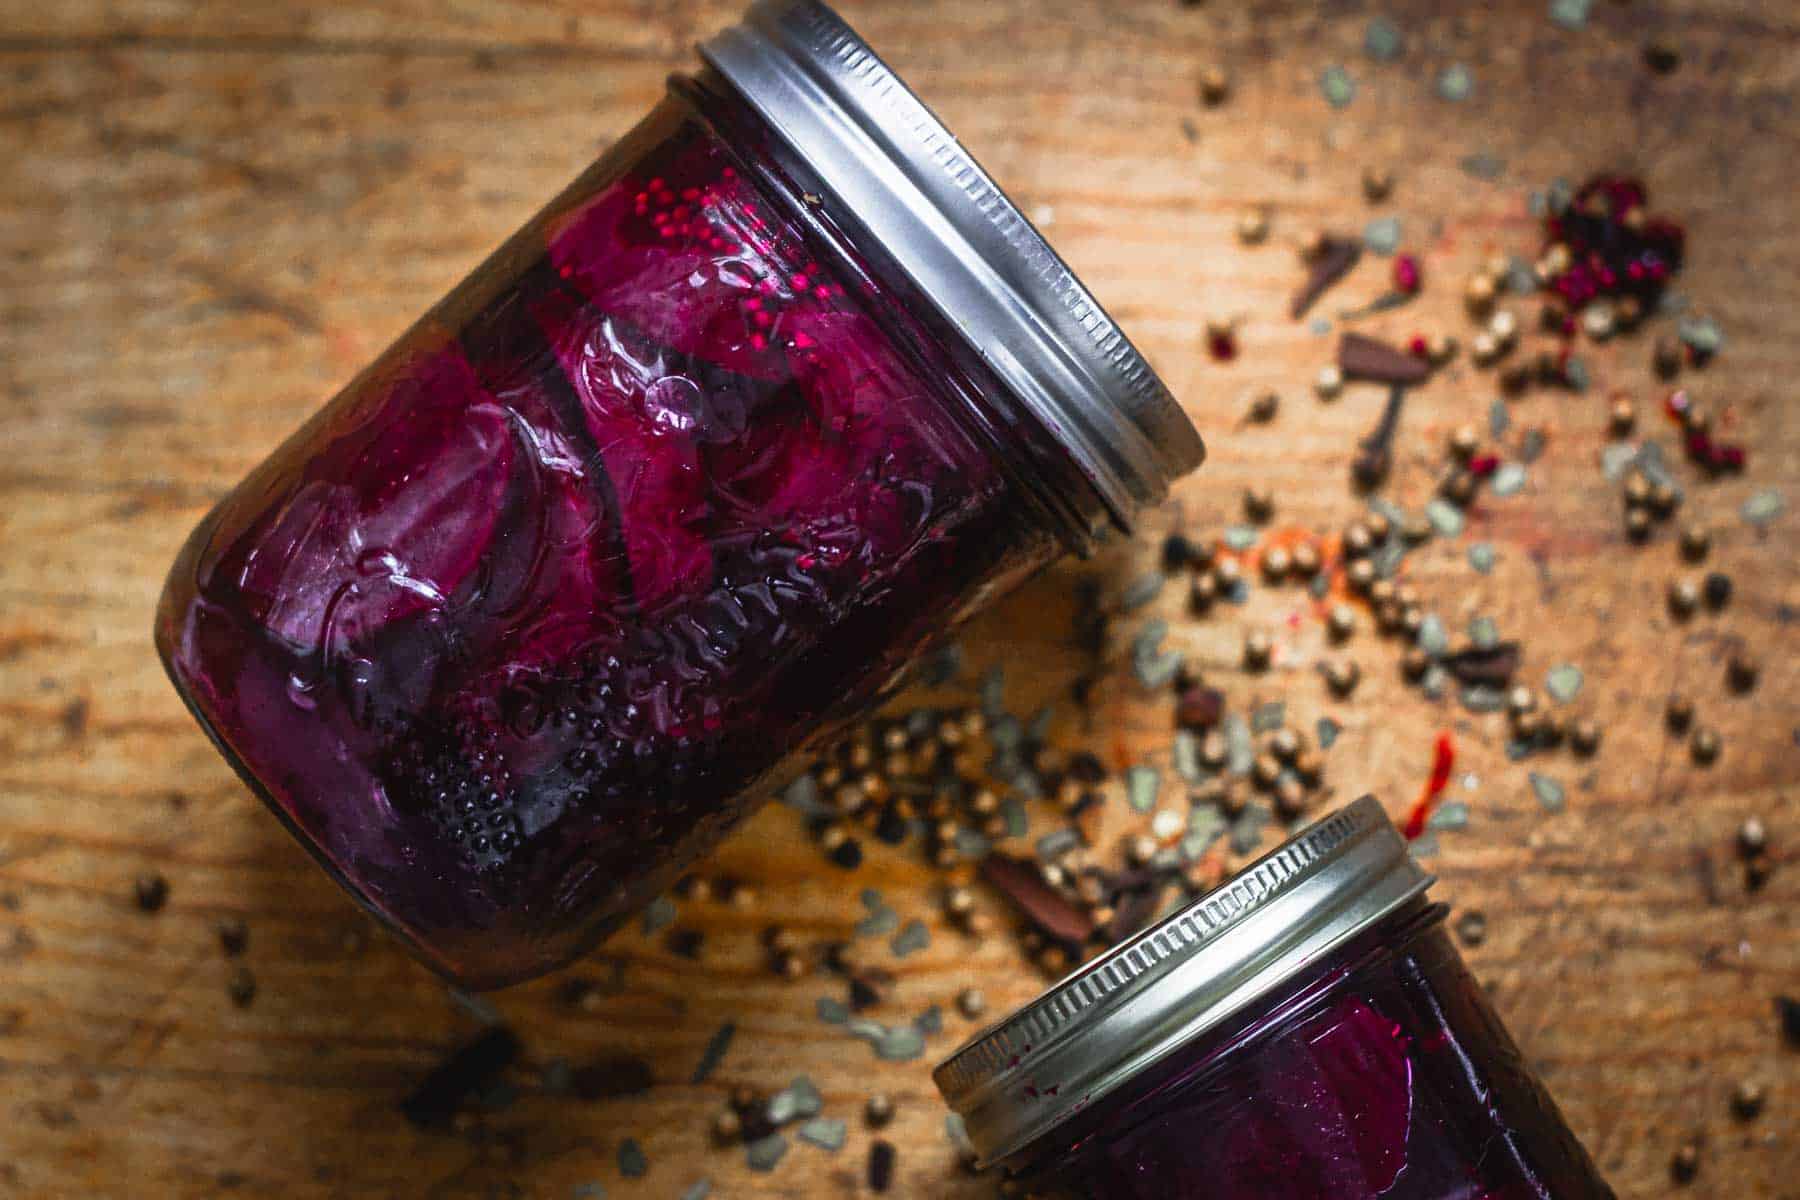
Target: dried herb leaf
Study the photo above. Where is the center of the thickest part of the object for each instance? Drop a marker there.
(1333, 261)
(1548, 791)
(1563, 683)
(1363, 357)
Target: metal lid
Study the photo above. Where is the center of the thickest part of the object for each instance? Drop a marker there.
(1127, 1010)
(905, 179)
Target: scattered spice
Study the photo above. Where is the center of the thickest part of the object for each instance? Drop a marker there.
(151, 892)
(241, 987)
(466, 1072)
(1331, 258)
(881, 1165)
(234, 935)
(1443, 761)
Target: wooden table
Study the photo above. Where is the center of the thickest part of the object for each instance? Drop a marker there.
(214, 212)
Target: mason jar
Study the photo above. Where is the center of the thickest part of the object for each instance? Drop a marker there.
(673, 486)
(1307, 1031)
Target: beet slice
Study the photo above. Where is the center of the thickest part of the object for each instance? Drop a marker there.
(389, 519)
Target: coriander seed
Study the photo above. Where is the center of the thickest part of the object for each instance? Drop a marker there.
(1623, 417)
(1696, 542)
(1329, 382)
(1464, 442)
(1257, 650)
(971, 1003)
(1679, 713)
(1253, 226)
(1684, 597)
(1342, 676)
(1705, 745)
(1377, 184)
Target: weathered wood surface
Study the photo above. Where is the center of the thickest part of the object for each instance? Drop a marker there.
(213, 212)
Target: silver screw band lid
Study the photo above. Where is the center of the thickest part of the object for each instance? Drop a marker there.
(904, 178)
(1129, 1009)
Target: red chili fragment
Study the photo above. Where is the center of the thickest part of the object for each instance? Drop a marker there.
(1442, 763)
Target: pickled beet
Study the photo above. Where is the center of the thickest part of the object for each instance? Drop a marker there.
(538, 607)
(1381, 1073)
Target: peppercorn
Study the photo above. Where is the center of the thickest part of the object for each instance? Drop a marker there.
(1527, 726)
(1717, 590)
(1412, 619)
(1259, 504)
(1177, 553)
(878, 1110)
(1202, 592)
(1266, 770)
(241, 987)
(1358, 539)
(1381, 592)
(1503, 326)
(1464, 442)
(1284, 744)
(1290, 798)
(1747, 1100)
(1741, 671)
(1637, 489)
(1705, 745)
(1516, 377)
(151, 892)
(1379, 526)
(1377, 184)
(234, 935)
(1752, 837)
(1053, 960)
(971, 1003)
(1520, 700)
(1417, 528)
(1309, 765)
(1459, 487)
(1275, 563)
(1214, 750)
(1665, 356)
(1471, 927)
(1623, 417)
(1479, 293)
(1679, 713)
(1696, 418)
(1253, 226)
(1360, 575)
(1215, 85)
(1227, 573)
(1263, 406)
(727, 1126)
(1484, 348)
(1598, 321)
(1414, 663)
(1584, 737)
(1637, 524)
(1696, 542)
(1341, 622)
(1440, 348)
(1663, 499)
(1684, 597)
(1685, 1165)
(1306, 560)
(1342, 676)
(1329, 382)
(1257, 650)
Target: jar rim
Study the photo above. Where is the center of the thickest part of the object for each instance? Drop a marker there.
(1119, 1015)
(902, 176)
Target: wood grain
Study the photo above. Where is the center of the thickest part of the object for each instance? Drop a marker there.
(213, 213)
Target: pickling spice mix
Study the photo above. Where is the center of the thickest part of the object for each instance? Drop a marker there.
(565, 683)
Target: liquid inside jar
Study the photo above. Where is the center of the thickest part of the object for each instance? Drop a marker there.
(1384, 1074)
(532, 613)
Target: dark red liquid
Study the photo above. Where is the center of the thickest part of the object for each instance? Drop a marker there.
(1384, 1074)
(539, 607)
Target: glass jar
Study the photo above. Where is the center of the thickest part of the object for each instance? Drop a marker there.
(1305, 1032)
(669, 489)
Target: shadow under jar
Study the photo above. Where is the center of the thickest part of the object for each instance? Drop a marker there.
(669, 489)
(1305, 1032)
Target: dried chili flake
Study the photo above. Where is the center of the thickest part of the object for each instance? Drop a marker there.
(1443, 761)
